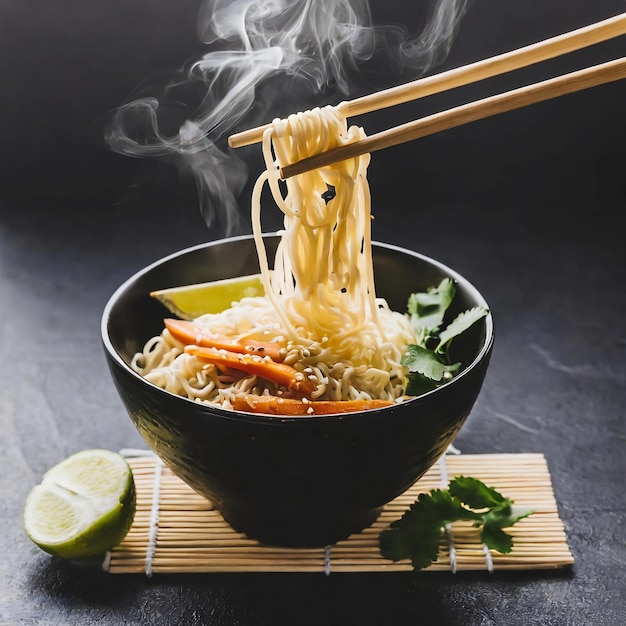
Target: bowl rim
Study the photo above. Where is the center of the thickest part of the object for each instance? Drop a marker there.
(264, 418)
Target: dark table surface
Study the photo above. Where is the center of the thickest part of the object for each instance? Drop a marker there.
(529, 205)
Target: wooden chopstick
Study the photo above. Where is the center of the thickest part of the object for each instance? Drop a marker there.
(493, 66)
(480, 109)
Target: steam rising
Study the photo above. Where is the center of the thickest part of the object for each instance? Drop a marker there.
(265, 55)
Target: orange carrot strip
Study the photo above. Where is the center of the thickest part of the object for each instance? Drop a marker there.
(280, 373)
(289, 406)
(189, 333)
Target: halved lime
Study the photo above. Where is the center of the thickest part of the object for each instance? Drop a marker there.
(83, 507)
(191, 301)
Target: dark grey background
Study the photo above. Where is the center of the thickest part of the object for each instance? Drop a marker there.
(530, 206)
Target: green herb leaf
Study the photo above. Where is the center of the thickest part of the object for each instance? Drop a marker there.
(419, 384)
(496, 539)
(495, 520)
(475, 493)
(427, 309)
(460, 324)
(416, 535)
(424, 361)
(428, 367)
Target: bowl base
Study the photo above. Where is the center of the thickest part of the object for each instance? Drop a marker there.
(297, 529)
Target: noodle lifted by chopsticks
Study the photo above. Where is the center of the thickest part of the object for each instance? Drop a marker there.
(320, 299)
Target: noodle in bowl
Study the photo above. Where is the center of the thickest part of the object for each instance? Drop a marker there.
(292, 480)
(374, 371)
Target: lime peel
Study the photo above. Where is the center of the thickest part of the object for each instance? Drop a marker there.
(191, 301)
(83, 507)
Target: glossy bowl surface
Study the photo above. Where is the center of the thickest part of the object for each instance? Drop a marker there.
(304, 481)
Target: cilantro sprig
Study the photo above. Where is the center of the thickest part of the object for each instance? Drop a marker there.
(417, 534)
(427, 360)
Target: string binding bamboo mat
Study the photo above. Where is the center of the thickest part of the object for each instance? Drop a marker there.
(177, 531)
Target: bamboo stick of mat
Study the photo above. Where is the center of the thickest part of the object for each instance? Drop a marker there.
(190, 536)
(473, 72)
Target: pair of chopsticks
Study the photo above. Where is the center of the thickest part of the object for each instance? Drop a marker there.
(473, 111)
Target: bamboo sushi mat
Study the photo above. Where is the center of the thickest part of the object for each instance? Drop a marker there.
(177, 531)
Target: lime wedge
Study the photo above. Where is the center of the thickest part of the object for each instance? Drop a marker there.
(191, 301)
(83, 507)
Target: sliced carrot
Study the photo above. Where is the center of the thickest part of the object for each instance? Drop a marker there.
(190, 333)
(274, 405)
(280, 373)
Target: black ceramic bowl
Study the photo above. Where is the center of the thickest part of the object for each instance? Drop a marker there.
(307, 481)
